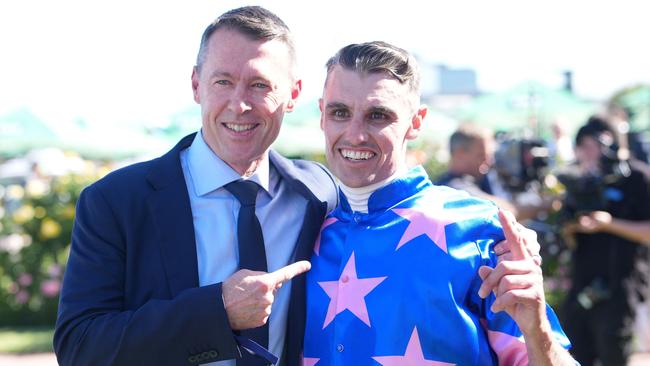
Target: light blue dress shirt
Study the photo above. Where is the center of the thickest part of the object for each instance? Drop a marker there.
(214, 211)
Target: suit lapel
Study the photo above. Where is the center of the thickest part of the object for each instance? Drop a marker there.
(315, 212)
(169, 205)
(314, 216)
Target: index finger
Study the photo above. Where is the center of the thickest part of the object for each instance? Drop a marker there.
(284, 274)
(515, 238)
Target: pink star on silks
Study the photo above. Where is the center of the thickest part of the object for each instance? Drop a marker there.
(348, 292)
(431, 222)
(412, 357)
(309, 361)
(510, 350)
(327, 223)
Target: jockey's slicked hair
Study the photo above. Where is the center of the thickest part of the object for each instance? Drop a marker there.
(379, 57)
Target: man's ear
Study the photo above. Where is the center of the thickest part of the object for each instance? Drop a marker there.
(416, 123)
(195, 84)
(295, 93)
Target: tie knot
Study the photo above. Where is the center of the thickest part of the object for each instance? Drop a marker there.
(244, 190)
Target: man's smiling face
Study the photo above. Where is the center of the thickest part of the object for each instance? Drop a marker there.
(244, 87)
(367, 120)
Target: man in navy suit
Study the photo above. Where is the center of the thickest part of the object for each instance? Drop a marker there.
(153, 275)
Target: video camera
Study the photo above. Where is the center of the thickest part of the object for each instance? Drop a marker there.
(584, 193)
(587, 192)
(520, 162)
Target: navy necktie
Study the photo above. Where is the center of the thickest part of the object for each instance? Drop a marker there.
(252, 255)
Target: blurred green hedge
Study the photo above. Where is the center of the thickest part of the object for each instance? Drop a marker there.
(36, 220)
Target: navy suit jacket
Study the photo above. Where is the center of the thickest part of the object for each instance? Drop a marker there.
(130, 293)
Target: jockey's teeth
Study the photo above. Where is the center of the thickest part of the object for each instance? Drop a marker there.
(357, 155)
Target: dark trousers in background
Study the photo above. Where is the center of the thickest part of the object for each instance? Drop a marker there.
(602, 333)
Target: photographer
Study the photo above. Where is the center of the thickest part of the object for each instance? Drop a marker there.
(609, 203)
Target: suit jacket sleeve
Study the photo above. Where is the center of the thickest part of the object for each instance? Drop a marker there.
(95, 327)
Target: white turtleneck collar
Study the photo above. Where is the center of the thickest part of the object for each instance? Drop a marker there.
(358, 197)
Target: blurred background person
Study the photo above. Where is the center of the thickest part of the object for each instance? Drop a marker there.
(608, 211)
(471, 155)
(472, 169)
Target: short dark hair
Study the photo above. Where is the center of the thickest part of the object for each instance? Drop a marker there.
(255, 22)
(466, 134)
(596, 125)
(378, 57)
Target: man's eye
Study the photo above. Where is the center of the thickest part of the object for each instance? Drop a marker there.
(260, 85)
(378, 116)
(222, 82)
(340, 113)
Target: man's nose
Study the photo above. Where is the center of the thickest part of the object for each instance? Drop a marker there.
(357, 131)
(238, 101)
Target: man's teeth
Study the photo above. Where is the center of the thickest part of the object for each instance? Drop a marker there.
(357, 155)
(238, 127)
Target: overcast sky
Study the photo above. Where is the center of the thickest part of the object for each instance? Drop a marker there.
(121, 61)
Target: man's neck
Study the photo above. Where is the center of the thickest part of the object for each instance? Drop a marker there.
(248, 169)
(358, 197)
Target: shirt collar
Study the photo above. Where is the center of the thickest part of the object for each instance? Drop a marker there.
(402, 187)
(358, 197)
(209, 172)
